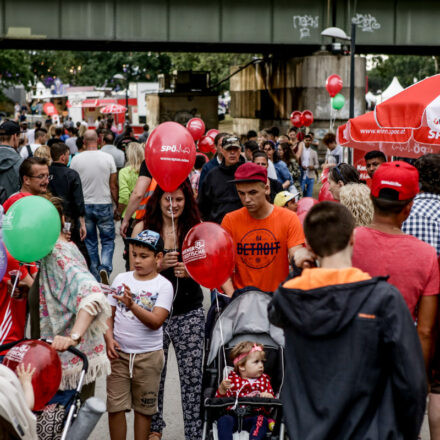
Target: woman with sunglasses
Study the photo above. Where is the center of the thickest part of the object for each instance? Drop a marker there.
(282, 172)
(340, 175)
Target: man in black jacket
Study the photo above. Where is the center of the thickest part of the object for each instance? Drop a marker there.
(218, 195)
(355, 363)
(66, 184)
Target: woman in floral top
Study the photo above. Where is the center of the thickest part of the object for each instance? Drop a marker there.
(73, 311)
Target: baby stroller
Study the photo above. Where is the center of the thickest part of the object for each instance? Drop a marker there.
(55, 421)
(243, 319)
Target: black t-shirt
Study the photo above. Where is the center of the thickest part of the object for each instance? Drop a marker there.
(189, 294)
(144, 171)
(275, 188)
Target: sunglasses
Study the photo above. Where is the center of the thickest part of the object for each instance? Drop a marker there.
(338, 172)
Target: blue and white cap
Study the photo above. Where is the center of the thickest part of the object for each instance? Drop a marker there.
(148, 238)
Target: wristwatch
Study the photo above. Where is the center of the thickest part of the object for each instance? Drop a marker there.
(76, 337)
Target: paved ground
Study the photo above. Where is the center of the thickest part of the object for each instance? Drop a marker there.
(173, 411)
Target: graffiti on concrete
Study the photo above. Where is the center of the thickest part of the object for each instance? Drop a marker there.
(366, 22)
(305, 24)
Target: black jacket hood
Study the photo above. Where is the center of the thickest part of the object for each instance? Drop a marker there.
(326, 310)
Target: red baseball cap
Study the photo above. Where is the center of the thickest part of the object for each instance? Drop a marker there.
(250, 172)
(399, 177)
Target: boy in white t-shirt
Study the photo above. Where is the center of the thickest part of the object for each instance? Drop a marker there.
(134, 338)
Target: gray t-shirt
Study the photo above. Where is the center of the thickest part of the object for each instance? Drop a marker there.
(117, 154)
(94, 169)
(71, 143)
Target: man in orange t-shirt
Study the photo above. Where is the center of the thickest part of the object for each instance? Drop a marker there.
(265, 236)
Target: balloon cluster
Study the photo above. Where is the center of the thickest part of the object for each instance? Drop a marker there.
(334, 86)
(299, 119)
(205, 142)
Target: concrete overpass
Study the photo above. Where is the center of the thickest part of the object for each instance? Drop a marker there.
(291, 27)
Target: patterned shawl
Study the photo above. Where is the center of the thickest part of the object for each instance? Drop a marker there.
(66, 287)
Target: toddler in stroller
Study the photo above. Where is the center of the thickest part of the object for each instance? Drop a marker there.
(246, 380)
(244, 320)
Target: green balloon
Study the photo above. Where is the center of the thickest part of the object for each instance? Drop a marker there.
(30, 228)
(338, 101)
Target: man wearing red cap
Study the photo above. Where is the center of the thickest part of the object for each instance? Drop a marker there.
(265, 236)
(383, 249)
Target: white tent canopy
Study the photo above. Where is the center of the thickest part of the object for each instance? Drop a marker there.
(393, 89)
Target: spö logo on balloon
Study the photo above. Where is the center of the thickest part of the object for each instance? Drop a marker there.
(194, 253)
(17, 353)
(8, 221)
(175, 149)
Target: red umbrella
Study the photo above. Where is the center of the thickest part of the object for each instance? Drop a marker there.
(113, 109)
(415, 107)
(364, 133)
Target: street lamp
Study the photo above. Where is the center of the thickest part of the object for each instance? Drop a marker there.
(339, 34)
(119, 76)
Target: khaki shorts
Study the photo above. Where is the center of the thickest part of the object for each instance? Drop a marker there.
(139, 392)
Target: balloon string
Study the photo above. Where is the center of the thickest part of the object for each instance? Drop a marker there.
(17, 277)
(173, 224)
(221, 335)
(165, 329)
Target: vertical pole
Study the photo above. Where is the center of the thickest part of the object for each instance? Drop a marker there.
(352, 68)
(126, 98)
(352, 85)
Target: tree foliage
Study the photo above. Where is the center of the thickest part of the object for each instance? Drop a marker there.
(98, 68)
(407, 68)
(14, 68)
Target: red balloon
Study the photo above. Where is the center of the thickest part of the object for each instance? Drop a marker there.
(333, 85)
(208, 254)
(302, 217)
(295, 119)
(196, 127)
(212, 133)
(206, 144)
(307, 118)
(305, 204)
(47, 377)
(170, 154)
(325, 194)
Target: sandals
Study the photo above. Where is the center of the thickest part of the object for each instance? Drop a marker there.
(155, 436)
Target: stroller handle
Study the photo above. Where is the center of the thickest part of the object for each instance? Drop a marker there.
(82, 356)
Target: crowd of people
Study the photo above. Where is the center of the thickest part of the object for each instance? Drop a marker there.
(355, 284)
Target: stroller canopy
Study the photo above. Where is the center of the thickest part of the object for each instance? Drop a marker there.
(245, 314)
(13, 408)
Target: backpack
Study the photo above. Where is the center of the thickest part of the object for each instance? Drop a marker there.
(29, 150)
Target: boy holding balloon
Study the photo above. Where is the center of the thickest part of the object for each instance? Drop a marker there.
(134, 338)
